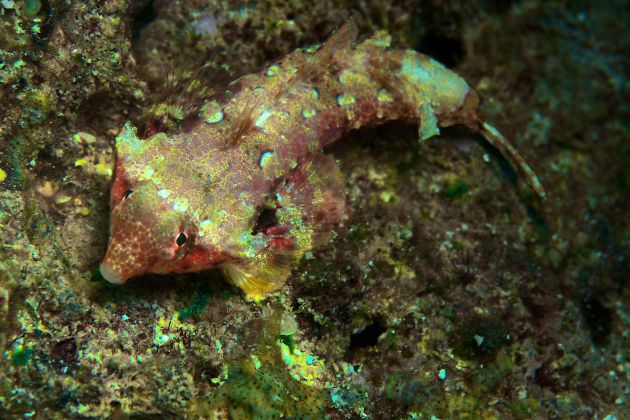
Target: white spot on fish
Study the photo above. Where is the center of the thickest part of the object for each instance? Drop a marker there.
(347, 76)
(264, 159)
(147, 173)
(384, 96)
(273, 71)
(344, 99)
(206, 25)
(180, 204)
(260, 122)
(204, 225)
(164, 193)
(212, 112)
(215, 118)
(308, 113)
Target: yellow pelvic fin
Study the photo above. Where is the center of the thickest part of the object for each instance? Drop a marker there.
(258, 276)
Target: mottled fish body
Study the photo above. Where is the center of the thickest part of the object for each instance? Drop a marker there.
(248, 189)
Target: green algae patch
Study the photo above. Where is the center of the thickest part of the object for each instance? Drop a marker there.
(38, 104)
(456, 189)
(524, 409)
(485, 379)
(17, 147)
(276, 382)
(198, 304)
(359, 234)
(21, 355)
(267, 392)
(404, 387)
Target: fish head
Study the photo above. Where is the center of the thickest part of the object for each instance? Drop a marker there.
(149, 232)
(146, 235)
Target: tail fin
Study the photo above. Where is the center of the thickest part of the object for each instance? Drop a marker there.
(496, 139)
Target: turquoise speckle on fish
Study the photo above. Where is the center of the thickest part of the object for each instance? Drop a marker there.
(248, 188)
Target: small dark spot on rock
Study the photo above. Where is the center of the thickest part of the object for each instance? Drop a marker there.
(66, 397)
(189, 122)
(544, 377)
(479, 338)
(455, 190)
(289, 341)
(64, 353)
(598, 320)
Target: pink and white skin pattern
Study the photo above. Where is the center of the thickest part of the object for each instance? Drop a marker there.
(194, 200)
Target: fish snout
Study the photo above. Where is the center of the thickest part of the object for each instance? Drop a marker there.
(131, 249)
(110, 274)
(124, 260)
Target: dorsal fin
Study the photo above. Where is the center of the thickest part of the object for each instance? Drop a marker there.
(308, 68)
(244, 122)
(315, 64)
(187, 86)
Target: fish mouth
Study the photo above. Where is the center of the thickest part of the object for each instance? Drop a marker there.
(110, 274)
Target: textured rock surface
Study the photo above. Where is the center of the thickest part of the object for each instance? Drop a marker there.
(449, 292)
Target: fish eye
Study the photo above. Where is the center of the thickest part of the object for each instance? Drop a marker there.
(127, 193)
(181, 239)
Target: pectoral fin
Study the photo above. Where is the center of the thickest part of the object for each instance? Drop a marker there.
(428, 122)
(308, 207)
(311, 203)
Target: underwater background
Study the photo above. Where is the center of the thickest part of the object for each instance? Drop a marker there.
(450, 291)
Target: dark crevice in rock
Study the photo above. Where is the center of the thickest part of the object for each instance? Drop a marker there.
(368, 336)
(142, 18)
